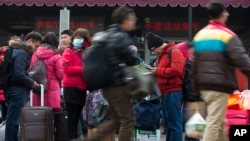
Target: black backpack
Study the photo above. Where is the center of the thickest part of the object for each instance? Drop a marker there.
(186, 85)
(97, 71)
(5, 68)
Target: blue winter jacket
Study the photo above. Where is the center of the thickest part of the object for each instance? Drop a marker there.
(19, 66)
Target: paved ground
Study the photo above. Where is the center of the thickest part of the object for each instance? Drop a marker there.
(162, 137)
(2, 129)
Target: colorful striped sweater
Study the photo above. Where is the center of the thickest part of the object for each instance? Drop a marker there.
(213, 37)
(217, 51)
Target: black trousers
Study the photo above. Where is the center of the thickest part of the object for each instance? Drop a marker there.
(75, 100)
(74, 111)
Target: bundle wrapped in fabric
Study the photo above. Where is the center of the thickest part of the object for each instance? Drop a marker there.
(95, 109)
(137, 81)
(147, 115)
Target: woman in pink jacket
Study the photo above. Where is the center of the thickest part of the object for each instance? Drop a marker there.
(48, 52)
(2, 99)
(73, 82)
(186, 48)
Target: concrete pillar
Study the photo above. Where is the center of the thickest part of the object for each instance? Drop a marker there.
(190, 23)
(64, 20)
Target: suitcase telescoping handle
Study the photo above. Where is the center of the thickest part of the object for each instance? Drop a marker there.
(42, 96)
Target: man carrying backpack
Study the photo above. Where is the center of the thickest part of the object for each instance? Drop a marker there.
(121, 111)
(18, 87)
(169, 73)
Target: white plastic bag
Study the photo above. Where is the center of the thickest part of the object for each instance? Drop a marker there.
(245, 100)
(195, 126)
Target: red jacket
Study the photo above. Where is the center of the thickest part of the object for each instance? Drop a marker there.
(169, 75)
(2, 99)
(73, 69)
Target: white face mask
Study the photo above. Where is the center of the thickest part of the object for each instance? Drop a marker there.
(77, 43)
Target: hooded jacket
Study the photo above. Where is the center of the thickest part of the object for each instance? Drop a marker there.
(20, 61)
(53, 63)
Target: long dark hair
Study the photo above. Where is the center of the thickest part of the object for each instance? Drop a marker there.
(51, 40)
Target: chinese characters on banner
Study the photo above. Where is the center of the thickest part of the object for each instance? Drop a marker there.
(47, 24)
(93, 24)
(170, 26)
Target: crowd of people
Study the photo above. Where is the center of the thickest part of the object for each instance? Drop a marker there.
(215, 52)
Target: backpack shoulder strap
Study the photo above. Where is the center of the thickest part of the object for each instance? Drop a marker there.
(169, 54)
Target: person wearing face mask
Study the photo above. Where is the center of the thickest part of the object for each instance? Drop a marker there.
(73, 82)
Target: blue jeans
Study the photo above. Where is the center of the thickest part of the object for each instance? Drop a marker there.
(171, 108)
(15, 98)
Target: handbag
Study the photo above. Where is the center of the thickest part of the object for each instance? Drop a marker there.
(137, 81)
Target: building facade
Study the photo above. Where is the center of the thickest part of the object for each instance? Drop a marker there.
(176, 20)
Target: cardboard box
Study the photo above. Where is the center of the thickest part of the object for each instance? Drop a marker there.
(145, 135)
(109, 137)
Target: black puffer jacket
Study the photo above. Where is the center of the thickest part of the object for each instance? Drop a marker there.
(118, 42)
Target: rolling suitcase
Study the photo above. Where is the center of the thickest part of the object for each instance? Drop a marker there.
(36, 121)
(61, 130)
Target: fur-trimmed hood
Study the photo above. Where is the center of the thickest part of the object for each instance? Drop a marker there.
(21, 44)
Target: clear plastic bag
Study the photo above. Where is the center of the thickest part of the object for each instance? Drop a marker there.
(196, 125)
(245, 100)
